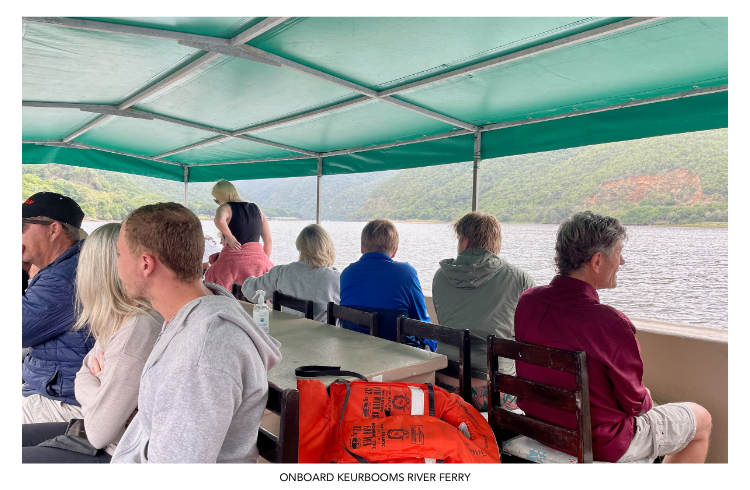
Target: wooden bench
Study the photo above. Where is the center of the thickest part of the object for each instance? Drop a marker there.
(237, 292)
(460, 369)
(281, 448)
(505, 423)
(367, 320)
(296, 304)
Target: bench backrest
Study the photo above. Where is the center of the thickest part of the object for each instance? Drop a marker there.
(281, 448)
(369, 321)
(237, 292)
(460, 369)
(574, 442)
(303, 306)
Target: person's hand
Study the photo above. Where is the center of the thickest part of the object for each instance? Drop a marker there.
(98, 364)
(26, 266)
(233, 243)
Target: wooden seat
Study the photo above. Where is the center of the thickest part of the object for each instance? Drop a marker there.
(368, 320)
(281, 448)
(301, 305)
(506, 424)
(237, 292)
(460, 369)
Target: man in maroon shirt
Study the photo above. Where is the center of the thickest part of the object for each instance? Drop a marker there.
(567, 315)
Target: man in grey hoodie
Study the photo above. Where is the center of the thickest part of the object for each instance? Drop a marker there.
(478, 290)
(204, 388)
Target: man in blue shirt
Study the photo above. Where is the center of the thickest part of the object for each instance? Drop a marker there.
(376, 281)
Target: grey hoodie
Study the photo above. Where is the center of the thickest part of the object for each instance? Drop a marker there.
(297, 279)
(478, 290)
(203, 388)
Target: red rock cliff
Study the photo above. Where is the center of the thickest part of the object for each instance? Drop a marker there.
(679, 184)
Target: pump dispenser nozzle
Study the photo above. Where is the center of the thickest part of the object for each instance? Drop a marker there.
(260, 293)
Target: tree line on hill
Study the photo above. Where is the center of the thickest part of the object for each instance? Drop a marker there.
(549, 187)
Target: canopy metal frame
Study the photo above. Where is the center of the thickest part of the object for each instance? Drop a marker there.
(216, 47)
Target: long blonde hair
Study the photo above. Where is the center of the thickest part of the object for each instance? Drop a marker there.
(101, 301)
(225, 191)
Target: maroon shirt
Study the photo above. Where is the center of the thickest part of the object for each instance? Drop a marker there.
(567, 315)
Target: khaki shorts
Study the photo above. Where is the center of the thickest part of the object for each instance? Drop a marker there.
(663, 430)
(38, 409)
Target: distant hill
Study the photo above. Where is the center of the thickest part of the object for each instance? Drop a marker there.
(112, 195)
(341, 195)
(670, 179)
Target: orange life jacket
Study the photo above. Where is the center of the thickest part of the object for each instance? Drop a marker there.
(370, 422)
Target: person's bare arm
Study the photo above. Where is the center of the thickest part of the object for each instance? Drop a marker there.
(265, 234)
(221, 220)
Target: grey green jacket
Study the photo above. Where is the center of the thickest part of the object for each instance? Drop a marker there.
(478, 290)
(203, 388)
(297, 279)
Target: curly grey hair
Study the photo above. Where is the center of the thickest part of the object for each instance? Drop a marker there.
(583, 235)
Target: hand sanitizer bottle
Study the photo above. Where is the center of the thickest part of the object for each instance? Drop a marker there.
(261, 312)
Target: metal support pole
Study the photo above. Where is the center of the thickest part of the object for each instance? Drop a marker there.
(320, 181)
(185, 168)
(477, 159)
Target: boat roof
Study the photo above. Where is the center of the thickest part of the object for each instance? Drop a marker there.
(196, 99)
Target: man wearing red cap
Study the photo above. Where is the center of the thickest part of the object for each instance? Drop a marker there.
(51, 241)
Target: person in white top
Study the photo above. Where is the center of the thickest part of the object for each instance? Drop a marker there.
(125, 331)
(312, 278)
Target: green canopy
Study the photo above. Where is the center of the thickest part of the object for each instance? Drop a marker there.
(198, 99)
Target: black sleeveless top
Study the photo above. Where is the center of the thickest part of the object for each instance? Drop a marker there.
(246, 221)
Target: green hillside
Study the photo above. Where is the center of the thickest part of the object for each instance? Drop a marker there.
(341, 194)
(670, 179)
(112, 195)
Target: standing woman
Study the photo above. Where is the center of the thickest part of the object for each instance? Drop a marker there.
(125, 331)
(243, 225)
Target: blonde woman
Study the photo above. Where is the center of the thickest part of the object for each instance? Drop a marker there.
(243, 225)
(125, 331)
(312, 278)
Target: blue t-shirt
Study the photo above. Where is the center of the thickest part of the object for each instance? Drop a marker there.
(378, 281)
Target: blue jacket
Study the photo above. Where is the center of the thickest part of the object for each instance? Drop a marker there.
(378, 281)
(48, 314)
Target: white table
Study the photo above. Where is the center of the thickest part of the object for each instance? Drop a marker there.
(309, 343)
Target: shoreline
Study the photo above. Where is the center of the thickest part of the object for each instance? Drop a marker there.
(707, 224)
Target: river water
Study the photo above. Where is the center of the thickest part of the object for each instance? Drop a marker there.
(677, 274)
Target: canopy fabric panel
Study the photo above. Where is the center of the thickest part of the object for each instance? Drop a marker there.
(67, 65)
(251, 97)
(205, 26)
(371, 123)
(644, 62)
(384, 52)
(52, 124)
(230, 149)
(101, 160)
(235, 93)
